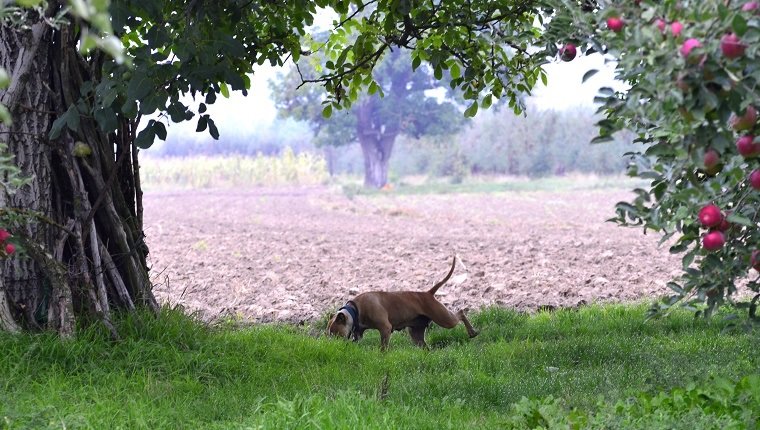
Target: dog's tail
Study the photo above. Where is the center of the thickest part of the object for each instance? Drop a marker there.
(443, 281)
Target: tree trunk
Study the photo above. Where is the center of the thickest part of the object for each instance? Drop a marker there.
(79, 219)
(376, 156)
(377, 145)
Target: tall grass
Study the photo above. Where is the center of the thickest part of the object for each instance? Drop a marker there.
(233, 171)
(522, 371)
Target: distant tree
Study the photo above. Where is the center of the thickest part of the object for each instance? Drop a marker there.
(375, 121)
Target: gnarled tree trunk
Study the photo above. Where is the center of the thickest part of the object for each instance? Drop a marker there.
(377, 145)
(83, 253)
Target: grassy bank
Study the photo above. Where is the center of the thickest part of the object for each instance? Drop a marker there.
(176, 373)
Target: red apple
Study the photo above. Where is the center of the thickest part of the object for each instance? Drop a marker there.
(10, 249)
(676, 28)
(750, 6)
(747, 147)
(731, 46)
(689, 45)
(710, 216)
(615, 24)
(754, 260)
(713, 240)
(754, 179)
(724, 225)
(567, 52)
(4, 235)
(744, 122)
(660, 23)
(712, 158)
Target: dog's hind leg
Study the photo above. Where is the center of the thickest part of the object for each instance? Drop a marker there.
(447, 319)
(470, 330)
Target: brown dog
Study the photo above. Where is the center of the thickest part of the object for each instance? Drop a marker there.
(388, 311)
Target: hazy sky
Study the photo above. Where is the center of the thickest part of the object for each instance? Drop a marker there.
(240, 115)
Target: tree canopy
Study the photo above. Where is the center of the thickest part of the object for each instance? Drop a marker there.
(692, 72)
(397, 104)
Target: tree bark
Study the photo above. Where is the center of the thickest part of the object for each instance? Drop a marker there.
(377, 145)
(83, 253)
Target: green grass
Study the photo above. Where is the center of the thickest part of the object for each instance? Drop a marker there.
(485, 185)
(173, 372)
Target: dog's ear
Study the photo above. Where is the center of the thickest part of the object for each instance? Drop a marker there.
(340, 318)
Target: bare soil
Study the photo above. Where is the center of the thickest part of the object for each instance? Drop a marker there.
(294, 254)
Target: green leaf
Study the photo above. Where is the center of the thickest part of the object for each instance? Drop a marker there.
(588, 75)
(472, 110)
(139, 86)
(72, 118)
(738, 219)
(5, 115)
(146, 137)
(372, 88)
(28, 3)
(57, 127)
(212, 130)
(224, 90)
(487, 100)
(416, 62)
(160, 130)
(327, 111)
(5, 79)
(202, 123)
(739, 24)
(454, 70)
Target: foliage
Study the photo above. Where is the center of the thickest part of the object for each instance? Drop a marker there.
(487, 47)
(234, 171)
(172, 371)
(174, 49)
(541, 144)
(680, 106)
(717, 404)
(412, 112)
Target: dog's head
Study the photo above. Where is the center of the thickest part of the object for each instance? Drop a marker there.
(340, 324)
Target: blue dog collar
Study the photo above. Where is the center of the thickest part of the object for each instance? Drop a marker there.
(351, 309)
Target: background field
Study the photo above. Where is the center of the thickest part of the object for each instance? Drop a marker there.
(293, 253)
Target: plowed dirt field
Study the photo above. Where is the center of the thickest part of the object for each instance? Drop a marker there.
(292, 254)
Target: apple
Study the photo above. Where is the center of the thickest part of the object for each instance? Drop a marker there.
(10, 249)
(711, 158)
(615, 24)
(567, 52)
(676, 28)
(747, 147)
(713, 240)
(754, 260)
(744, 122)
(4, 235)
(754, 179)
(660, 23)
(750, 6)
(731, 46)
(689, 45)
(724, 225)
(710, 216)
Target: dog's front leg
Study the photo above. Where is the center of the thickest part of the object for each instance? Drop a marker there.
(358, 333)
(385, 336)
